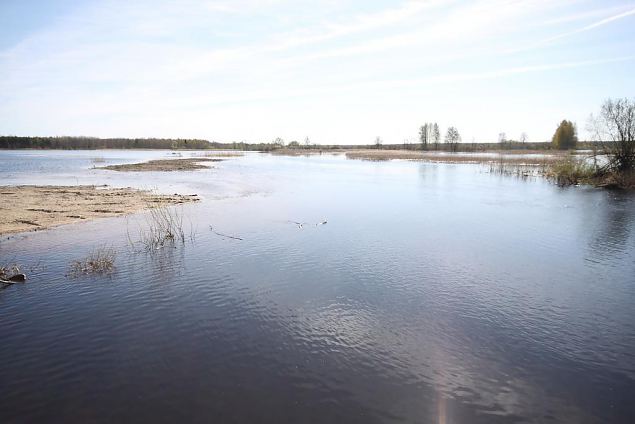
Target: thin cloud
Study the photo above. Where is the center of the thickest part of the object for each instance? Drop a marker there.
(589, 27)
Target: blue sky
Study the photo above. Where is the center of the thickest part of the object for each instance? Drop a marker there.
(337, 71)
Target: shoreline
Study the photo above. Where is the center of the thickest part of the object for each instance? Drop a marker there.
(27, 208)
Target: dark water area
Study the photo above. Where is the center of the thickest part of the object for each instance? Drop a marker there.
(435, 293)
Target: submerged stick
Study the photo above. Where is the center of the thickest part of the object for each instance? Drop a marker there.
(302, 224)
(223, 235)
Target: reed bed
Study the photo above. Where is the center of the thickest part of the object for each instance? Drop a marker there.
(223, 154)
(303, 152)
(445, 157)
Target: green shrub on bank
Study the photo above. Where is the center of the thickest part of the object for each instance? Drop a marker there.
(572, 171)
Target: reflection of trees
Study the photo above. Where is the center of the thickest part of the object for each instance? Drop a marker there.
(613, 229)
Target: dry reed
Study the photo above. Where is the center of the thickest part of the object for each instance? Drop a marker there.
(100, 261)
(163, 226)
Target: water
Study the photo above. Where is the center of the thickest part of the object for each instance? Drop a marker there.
(435, 293)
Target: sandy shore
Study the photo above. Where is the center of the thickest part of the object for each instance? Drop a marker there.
(163, 165)
(29, 208)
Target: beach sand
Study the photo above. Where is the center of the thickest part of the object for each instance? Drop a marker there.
(29, 208)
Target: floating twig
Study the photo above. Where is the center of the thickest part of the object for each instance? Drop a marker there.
(302, 224)
(223, 235)
(299, 224)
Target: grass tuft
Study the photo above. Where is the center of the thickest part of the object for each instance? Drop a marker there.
(163, 226)
(100, 261)
(572, 171)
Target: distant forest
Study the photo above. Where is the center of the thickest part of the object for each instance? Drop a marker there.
(90, 143)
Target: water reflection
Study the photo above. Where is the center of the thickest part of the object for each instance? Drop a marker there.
(613, 226)
(435, 293)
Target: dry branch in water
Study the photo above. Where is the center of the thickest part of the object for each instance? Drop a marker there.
(11, 274)
(223, 235)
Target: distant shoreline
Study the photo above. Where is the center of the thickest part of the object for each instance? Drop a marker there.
(95, 143)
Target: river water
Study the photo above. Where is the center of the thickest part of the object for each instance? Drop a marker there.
(434, 293)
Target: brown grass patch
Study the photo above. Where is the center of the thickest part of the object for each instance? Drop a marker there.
(445, 157)
(223, 154)
(303, 152)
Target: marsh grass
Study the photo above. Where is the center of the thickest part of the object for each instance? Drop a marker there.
(100, 261)
(97, 160)
(521, 167)
(163, 226)
(571, 171)
(223, 154)
(304, 152)
(488, 158)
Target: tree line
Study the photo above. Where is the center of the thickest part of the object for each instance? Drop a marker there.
(430, 137)
(90, 143)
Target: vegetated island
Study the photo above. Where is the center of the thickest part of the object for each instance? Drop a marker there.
(163, 165)
(28, 208)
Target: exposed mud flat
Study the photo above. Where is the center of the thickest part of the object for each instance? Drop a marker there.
(29, 208)
(163, 165)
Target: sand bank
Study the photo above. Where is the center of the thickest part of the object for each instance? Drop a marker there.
(28, 208)
(164, 165)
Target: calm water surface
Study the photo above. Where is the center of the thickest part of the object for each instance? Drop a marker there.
(434, 294)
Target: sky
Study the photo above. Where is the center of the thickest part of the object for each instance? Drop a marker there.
(336, 71)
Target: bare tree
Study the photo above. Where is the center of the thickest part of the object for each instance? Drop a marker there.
(424, 136)
(523, 137)
(436, 136)
(452, 139)
(614, 133)
(378, 142)
(428, 134)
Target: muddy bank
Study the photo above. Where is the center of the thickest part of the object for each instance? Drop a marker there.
(29, 208)
(163, 165)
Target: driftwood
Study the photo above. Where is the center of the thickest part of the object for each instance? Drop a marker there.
(17, 278)
(223, 235)
(302, 224)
